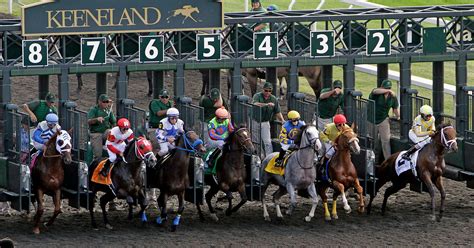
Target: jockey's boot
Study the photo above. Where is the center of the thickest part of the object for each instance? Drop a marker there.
(279, 160)
(105, 170)
(213, 156)
(409, 152)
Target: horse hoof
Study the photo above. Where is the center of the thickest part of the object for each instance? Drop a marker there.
(36, 230)
(173, 228)
(267, 218)
(307, 218)
(214, 217)
(108, 226)
(327, 218)
(335, 217)
(279, 218)
(361, 210)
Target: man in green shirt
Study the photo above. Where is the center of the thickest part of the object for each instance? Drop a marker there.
(100, 119)
(211, 103)
(269, 109)
(38, 109)
(158, 108)
(329, 102)
(385, 99)
(257, 7)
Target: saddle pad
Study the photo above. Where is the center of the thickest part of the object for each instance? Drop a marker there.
(402, 165)
(98, 178)
(271, 168)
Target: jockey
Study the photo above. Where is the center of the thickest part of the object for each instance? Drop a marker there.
(423, 127)
(45, 130)
(330, 133)
(219, 128)
(288, 134)
(116, 143)
(168, 129)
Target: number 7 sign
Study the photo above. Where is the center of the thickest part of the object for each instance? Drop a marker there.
(93, 51)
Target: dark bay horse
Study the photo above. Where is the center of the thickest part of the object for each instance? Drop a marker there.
(127, 180)
(300, 173)
(172, 176)
(342, 174)
(48, 174)
(430, 167)
(231, 172)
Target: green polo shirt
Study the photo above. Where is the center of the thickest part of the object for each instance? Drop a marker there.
(109, 119)
(383, 106)
(155, 106)
(40, 109)
(267, 112)
(209, 109)
(266, 28)
(327, 108)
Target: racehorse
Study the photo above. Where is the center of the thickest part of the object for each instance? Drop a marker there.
(231, 172)
(172, 175)
(300, 173)
(342, 173)
(48, 174)
(127, 180)
(430, 167)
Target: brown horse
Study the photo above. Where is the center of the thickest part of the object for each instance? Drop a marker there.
(342, 174)
(231, 172)
(311, 73)
(430, 167)
(172, 176)
(48, 174)
(127, 180)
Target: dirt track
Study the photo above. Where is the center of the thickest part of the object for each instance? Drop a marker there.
(406, 223)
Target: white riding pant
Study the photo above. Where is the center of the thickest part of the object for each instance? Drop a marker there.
(112, 155)
(285, 147)
(165, 147)
(211, 144)
(329, 150)
(38, 146)
(420, 142)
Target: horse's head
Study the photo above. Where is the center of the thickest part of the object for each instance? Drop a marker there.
(348, 140)
(64, 146)
(310, 137)
(144, 151)
(447, 135)
(243, 138)
(193, 142)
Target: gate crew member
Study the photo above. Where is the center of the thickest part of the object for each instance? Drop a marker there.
(158, 108)
(330, 133)
(288, 134)
(100, 119)
(116, 143)
(211, 103)
(329, 102)
(422, 130)
(219, 129)
(269, 108)
(257, 7)
(385, 99)
(38, 109)
(45, 130)
(169, 128)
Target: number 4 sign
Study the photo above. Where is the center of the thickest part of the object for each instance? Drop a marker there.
(265, 45)
(93, 51)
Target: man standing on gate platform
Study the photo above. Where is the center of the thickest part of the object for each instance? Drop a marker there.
(211, 103)
(38, 109)
(100, 119)
(385, 99)
(269, 109)
(329, 103)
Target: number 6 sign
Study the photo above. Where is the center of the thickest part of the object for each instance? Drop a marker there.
(151, 48)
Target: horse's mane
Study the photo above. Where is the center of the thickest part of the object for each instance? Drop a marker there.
(128, 147)
(53, 138)
(442, 125)
(299, 135)
(231, 136)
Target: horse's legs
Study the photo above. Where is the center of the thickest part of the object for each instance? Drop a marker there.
(276, 199)
(162, 200)
(263, 189)
(390, 191)
(361, 196)
(229, 197)
(324, 198)
(212, 191)
(143, 201)
(440, 186)
(339, 186)
(243, 197)
(335, 195)
(177, 218)
(109, 196)
(426, 178)
(91, 209)
(130, 211)
(149, 78)
(39, 211)
(57, 207)
(314, 199)
(291, 190)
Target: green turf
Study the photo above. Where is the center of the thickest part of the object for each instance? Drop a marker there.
(421, 2)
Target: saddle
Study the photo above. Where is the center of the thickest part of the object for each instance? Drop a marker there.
(322, 172)
(278, 170)
(165, 158)
(98, 178)
(35, 155)
(211, 158)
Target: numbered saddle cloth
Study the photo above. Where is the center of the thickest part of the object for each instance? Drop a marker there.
(278, 170)
(402, 165)
(98, 178)
(210, 163)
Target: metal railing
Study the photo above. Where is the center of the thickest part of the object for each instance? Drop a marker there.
(136, 116)
(76, 121)
(249, 115)
(364, 118)
(193, 117)
(305, 107)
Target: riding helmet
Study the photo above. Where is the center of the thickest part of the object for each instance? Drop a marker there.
(292, 115)
(426, 110)
(123, 123)
(52, 118)
(172, 112)
(339, 119)
(221, 113)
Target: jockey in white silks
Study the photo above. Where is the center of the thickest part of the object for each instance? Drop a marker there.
(45, 130)
(168, 129)
(116, 143)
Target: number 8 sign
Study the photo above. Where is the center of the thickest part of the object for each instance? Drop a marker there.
(35, 53)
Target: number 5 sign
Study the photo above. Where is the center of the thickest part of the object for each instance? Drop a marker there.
(35, 52)
(208, 47)
(93, 51)
(378, 42)
(151, 48)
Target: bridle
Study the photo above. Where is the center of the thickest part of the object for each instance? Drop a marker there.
(65, 147)
(241, 142)
(188, 146)
(312, 143)
(447, 144)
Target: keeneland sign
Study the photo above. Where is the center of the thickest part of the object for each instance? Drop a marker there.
(119, 16)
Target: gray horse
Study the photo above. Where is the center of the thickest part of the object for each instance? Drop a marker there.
(300, 173)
